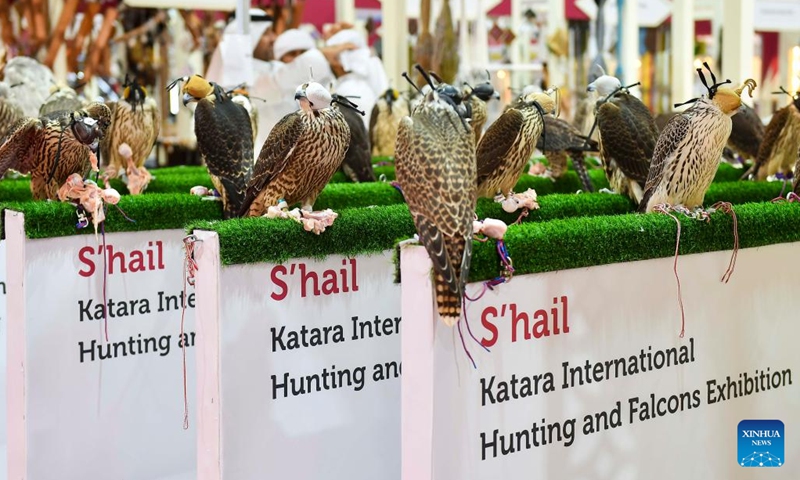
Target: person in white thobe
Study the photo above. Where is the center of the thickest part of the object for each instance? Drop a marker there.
(361, 74)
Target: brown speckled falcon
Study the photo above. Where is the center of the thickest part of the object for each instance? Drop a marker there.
(781, 139)
(136, 121)
(224, 139)
(747, 133)
(477, 98)
(435, 166)
(9, 114)
(301, 154)
(627, 135)
(689, 149)
(62, 99)
(53, 147)
(507, 145)
(563, 140)
(389, 109)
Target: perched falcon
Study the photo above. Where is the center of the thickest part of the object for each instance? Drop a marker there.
(136, 122)
(53, 147)
(9, 113)
(224, 139)
(357, 164)
(689, 149)
(301, 154)
(747, 132)
(781, 139)
(563, 140)
(389, 109)
(62, 99)
(435, 167)
(508, 143)
(627, 135)
(477, 98)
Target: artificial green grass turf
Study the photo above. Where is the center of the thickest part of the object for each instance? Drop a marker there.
(150, 212)
(553, 244)
(175, 210)
(589, 241)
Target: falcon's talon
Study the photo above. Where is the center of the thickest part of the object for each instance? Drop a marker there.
(607, 190)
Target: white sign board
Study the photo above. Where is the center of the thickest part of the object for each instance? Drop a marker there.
(587, 376)
(3, 350)
(298, 368)
(81, 405)
(776, 15)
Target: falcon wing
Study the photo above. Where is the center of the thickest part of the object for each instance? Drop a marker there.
(155, 114)
(771, 135)
(357, 162)
(373, 121)
(629, 134)
(105, 142)
(497, 141)
(274, 155)
(16, 152)
(672, 136)
(559, 135)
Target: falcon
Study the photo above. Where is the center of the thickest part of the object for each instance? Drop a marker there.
(62, 98)
(689, 149)
(53, 147)
(224, 139)
(436, 170)
(300, 156)
(747, 133)
(508, 143)
(9, 113)
(477, 98)
(627, 135)
(357, 164)
(781, 140)
(389, 109)
(136, 122)
(563, 140)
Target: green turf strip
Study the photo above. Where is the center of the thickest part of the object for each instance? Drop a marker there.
(552, 244)
(176, 210)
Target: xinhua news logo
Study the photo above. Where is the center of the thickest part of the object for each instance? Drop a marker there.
(761, 443)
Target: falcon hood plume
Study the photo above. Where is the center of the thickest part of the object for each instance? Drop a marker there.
(224, 139)
(435, 165)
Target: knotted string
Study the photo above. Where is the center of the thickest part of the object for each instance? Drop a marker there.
(726, 207)
(189, 271)
(505, 276)
(665, 209)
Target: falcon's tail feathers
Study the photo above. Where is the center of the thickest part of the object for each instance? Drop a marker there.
(579, 162)
(448, 303)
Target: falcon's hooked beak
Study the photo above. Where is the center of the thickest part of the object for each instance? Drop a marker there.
(188, 98)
